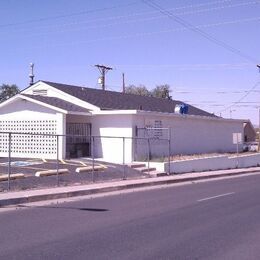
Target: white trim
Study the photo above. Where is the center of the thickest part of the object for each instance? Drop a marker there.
(10, 100)
(42, 104)
(153, 113)
(77, 100)
(79, 113)
(114, 112)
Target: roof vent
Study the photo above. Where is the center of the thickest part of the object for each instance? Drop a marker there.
(41, 92)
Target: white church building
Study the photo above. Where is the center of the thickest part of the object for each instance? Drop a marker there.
(60, 109)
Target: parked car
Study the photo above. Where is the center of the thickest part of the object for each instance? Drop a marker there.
(250, 147)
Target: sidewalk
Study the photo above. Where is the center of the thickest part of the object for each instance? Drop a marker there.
(19, 197)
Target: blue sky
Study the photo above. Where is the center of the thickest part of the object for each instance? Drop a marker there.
(65, 39)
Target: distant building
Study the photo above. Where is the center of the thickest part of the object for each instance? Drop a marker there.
(249, 132)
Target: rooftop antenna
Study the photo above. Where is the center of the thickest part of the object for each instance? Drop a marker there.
(123, 77)
(103, 70)
(31, 75)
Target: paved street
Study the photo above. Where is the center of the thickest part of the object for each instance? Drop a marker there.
(206, 220)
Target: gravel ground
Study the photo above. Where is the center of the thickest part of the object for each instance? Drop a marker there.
(198, 156)
(110, 173)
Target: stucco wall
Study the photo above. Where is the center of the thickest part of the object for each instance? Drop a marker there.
(190, 135)
(26, 117)
(111, 128)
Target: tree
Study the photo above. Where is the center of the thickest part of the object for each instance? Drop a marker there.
(162, 91)
(137, 90)
(7, 91)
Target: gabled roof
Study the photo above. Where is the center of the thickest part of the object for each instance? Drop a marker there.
(111, 100)
(57, 102)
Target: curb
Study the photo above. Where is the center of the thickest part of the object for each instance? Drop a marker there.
(121, 186)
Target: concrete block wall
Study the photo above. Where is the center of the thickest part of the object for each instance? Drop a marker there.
(213, 163)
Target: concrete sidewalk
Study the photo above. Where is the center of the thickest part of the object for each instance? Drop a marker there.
(19, 197)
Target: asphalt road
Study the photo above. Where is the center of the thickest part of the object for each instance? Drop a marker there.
(206, 220)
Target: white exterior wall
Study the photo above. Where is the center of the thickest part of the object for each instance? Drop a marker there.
(53, 92)
(26, 117)
(213, 163)
(190, 135)
(111, 149)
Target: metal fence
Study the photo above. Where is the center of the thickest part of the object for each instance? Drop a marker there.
(28, 153)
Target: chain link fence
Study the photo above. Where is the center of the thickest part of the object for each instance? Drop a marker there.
(35, 160)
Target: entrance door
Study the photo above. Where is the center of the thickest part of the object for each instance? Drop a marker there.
(78, 140)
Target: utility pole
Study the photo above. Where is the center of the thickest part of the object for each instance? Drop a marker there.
(258, 66)
(31, 75)
(258, 129)
(103, 70)
(123, 75)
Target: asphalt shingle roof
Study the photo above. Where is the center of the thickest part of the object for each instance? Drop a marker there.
(111, 100)
(57, 102)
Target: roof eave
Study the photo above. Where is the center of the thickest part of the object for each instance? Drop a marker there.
(79, 113)
(43, 104)
(63, 92)
(155, 113)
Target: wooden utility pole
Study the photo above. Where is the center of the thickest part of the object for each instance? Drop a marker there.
(258, 66)
(103, 70)
(258, 129)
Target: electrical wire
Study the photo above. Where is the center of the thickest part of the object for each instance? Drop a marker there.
(246, 20)
(127, 20)
(67, 15)
(140, 34)
(185, 66)
(242, 98)
(199, 31)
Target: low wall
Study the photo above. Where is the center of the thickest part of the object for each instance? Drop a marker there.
(213, 163)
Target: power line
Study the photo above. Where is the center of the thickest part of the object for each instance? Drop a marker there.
(148, 33)
(139, 34)
(105, 9)
(242, 98)
(136, 20)
(199, 31)
(66, 15)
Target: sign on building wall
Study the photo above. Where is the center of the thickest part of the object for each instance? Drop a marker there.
(237, 138)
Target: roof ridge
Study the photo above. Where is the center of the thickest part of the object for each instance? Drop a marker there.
(118, 100)
(110, 91)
